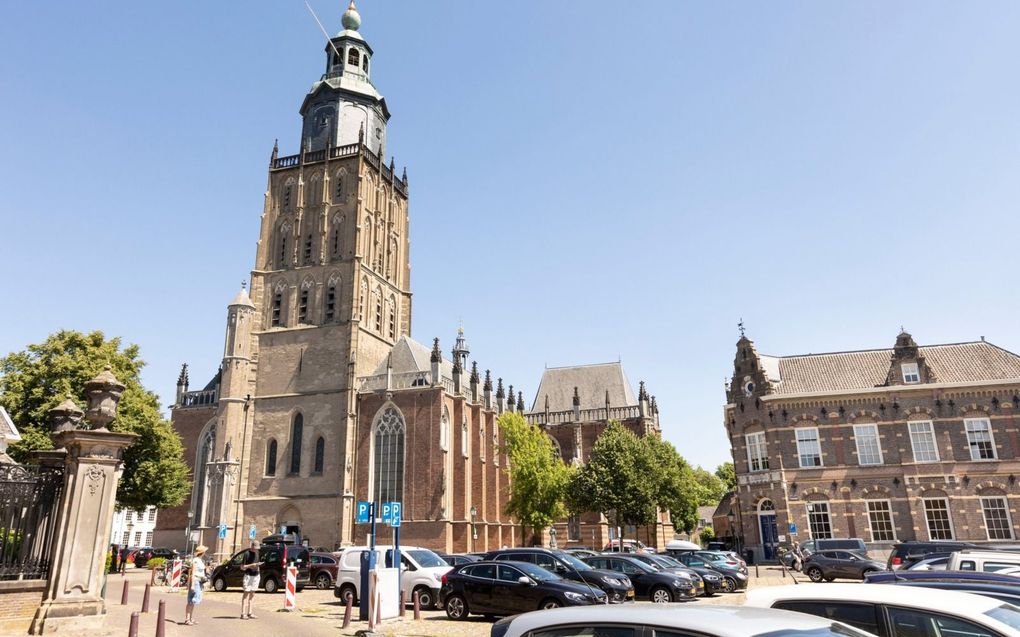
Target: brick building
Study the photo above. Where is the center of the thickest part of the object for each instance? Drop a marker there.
(913, 442)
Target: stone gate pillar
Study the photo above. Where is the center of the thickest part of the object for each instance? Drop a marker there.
(92, 469)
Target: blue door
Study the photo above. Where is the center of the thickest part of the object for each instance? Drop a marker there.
(769, 534)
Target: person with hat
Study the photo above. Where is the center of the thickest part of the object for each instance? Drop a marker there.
(250, 565)
(196, 579)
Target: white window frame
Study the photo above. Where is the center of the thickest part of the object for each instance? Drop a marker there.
(756, 442)
(949, 518)
(872, 430)
(1005, 508)
(911, 373)
(914, 442)
(871, 523)
(972, 441)
(804, 446)
(820, 519)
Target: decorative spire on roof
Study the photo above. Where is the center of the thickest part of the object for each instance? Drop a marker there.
(520, 402)
(474, 372)
(642, 394)
(183, 378)
(351, 19)
(740, 326)
(510, 398)
(487, 385)
(499, 388)
(577, 397)
(460, 349)
(437, 354)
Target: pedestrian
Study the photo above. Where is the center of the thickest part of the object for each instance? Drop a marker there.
(196, 579)
(114, 559)
(250, 565)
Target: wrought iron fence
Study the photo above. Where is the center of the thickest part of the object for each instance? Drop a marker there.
(29, 498)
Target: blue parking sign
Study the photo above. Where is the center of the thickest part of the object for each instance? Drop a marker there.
(793, 529)
(223, 532)
(387, 511)
(251, 532)
(363, 511)
(395, 513)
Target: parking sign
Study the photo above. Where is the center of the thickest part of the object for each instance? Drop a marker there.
(395, 513)
(387, 511)
(223, 532)
(363, 509)
(251, 532)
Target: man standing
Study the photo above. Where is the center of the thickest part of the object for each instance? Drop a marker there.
(250, 566)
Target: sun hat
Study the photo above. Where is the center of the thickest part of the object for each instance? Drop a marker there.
(201, 549)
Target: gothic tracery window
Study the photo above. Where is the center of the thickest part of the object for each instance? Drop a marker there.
(388, 457)
(296, 432)
(320, 455)
(271, 449)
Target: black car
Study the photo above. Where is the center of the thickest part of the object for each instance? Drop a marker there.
(458, 560)
(273, 572)
(1005, 588)
(829, 565)
(508, 588)
(650, 582)
(711, 581)
(905, 554)
(143, 555)
(733, 579)
(616, 585)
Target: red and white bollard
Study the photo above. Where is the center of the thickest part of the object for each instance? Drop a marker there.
(290, 599)
(175, 574)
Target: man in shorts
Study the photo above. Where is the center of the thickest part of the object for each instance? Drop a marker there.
(250, 566)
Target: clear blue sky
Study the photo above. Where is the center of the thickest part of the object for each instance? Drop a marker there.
(590, 180)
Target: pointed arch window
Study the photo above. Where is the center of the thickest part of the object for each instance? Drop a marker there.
(388, 457)
(444, 430)
(338, 188)
(334, 238)
(465, 441)
(307, 254)
(391, 317)
(281, 243)
(202, 471)
(361, 299)
(353, 57)
(377, 298)
(320, 455)
(271, 448)
(331, 299)
(297, 430)
(303, 306)
(276, 319)
(288, 195)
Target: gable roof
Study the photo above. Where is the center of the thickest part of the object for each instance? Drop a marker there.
(408, 355)
(846, 371)
(592, 382)
(8, 431)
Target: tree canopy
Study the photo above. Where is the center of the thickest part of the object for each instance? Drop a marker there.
(711, 488)
(35, 380)
(538, 479)
(726, 473)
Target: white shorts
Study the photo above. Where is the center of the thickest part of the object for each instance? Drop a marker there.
(251, 582)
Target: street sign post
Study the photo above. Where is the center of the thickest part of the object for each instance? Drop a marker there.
(793, 530)
(251, 532)
(223, 532)
(395, 511)
(363, 512)
(387, 511)
(366, 513)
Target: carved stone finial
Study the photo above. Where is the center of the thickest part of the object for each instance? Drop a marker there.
(474, 372)
(642, 394)
(520, 402)
(487, 386)
(182, 380)
(499, 388)
(437, 354)
(66, 416)
(103, 394)
(577, 398)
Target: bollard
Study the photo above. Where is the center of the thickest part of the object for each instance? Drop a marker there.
(161, 619)
(347, 612)
(401, 603)
(124, 594)
(417, 606)
(145, 600)
(133, 628)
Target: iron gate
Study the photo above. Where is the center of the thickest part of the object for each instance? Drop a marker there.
(29, 498)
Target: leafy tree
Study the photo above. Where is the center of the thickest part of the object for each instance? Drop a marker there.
(707, 535)
(35, 380)
(726, 473)
(711, 488)
(538, 479)
(678, 489)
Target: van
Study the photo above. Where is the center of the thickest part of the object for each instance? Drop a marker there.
(983, 561)
(275, 559)
(422, 572)
(835, 544)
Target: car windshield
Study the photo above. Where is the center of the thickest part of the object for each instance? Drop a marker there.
(831, 630)
(1007, 614)
(537, 572)
(573, 561)
(668, 561)
(426, 558)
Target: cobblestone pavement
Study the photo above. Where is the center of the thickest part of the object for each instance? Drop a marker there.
(319, 613)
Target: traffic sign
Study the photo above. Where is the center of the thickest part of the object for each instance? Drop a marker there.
(251, 532)
(387, 511)
(395, 513)
(363, 510)
(793, 529)
(223, 532)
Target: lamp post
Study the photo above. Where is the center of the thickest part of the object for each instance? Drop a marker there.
(474, 529)
(187, 537)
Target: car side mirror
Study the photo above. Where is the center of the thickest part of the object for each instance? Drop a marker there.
(523, 579)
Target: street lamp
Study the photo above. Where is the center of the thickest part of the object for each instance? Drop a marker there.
(810, 509)
(474, 529)
(187, 537)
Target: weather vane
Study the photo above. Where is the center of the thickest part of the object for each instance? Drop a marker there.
(740, 326)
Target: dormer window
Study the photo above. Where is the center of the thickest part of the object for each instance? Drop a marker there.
(353, 57)
(911, 375)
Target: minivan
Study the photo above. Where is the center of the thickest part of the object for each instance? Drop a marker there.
(855, 544)
(423, 572)
(982, 561)
(273, 572)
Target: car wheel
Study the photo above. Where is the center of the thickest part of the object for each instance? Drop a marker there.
(219, 584)
(425, 600)
(456, 607)
(549, 603)
(271, 585)
(323, 581)
(660, 595)
(814, 574)
(729, 585)
(347, 591)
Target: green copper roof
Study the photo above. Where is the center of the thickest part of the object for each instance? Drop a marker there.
(351, 19)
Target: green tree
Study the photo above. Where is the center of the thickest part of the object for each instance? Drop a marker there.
(726, 473)
(35, 380)
(707, 535)
(538, 479)
(678, 490)
(711, 488)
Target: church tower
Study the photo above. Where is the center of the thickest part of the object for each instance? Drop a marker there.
(330, 295)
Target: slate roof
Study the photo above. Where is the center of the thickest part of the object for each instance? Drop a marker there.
(408, 355)
(846, 371)
(8, 431)
(592, 382)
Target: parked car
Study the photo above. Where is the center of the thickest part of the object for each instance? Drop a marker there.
(934, 562)
(616, 585)
(726, 559)
(650, 582)
(896, 611)
(275, 559)
(323, 569)
(423, 572)
(581, 553)
(508, 588)
(985, 561)
(834, 544)
(457, 559)
(641, 620)
(1004, 588)
(144, 554)
(905, 554)
(829, 565)
(733, 579)
(629, 546)
(711, 582)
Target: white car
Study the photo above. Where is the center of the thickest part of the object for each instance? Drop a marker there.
(896, 611)
(669, 620)
(422, 572)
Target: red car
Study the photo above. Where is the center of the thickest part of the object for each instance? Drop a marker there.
(324, 567)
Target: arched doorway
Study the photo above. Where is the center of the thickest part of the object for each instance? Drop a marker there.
(768, 529)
